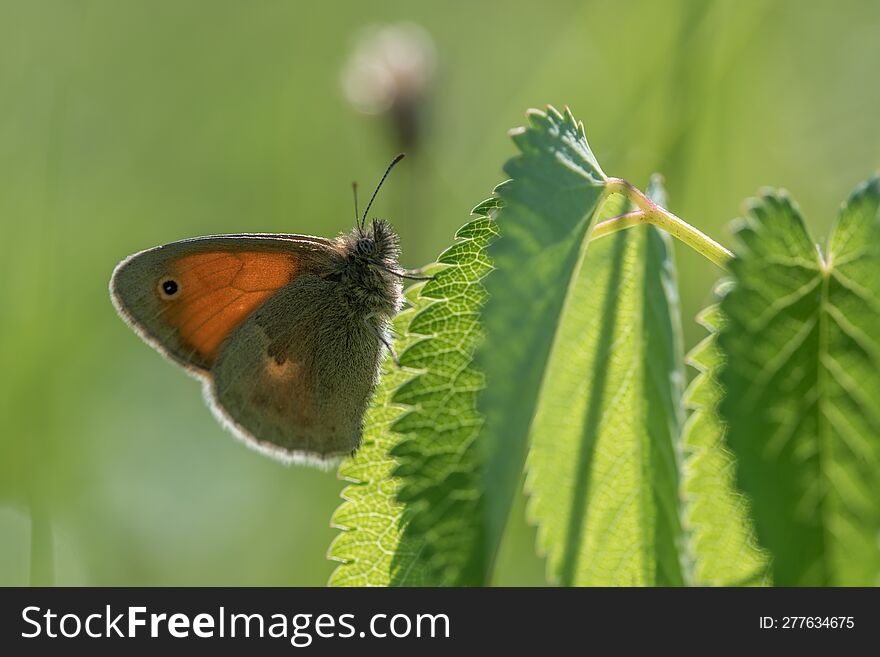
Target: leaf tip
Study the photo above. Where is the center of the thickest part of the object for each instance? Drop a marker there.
(657, 189)
(554, 113)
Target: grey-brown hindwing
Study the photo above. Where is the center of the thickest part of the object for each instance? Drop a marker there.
(297, 375)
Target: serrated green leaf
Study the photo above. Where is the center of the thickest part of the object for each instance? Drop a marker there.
(721, 545)
(439, 460)
(602, 469)
(411, 516)
(802, 382)
(549, 210)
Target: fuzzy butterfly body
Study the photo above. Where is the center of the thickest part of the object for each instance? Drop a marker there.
(286, 331)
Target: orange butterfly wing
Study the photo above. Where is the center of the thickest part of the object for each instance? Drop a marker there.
(217, 282)
(217, 291)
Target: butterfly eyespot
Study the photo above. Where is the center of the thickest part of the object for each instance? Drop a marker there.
(168, 288)
(364, 246)
(336, 277)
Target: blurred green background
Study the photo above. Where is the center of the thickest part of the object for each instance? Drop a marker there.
(129, 124)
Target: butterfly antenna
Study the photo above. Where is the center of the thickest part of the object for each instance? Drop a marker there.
(354, 190)
(379, 186)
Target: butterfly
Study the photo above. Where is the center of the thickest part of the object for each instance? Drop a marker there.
(285, 331)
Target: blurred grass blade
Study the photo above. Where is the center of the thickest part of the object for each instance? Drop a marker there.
(602, 469)
(549, 210)
(802, 380)
(412, 515)
(721, 546)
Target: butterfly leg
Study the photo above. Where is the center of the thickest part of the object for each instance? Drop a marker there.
(382, 339)
(411, 274)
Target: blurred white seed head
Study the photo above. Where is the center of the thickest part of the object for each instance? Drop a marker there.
(390, 64)
(390, 72)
